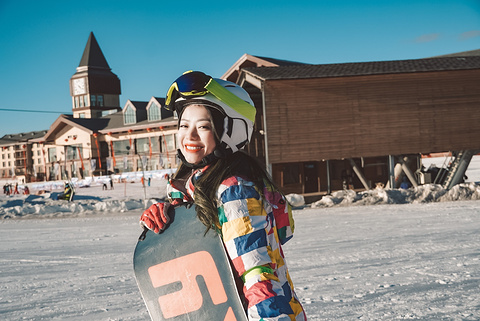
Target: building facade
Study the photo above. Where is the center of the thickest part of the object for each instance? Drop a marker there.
(99, 137)
(318, 128)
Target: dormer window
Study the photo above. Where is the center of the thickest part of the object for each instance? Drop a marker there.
(129, 115)
(154, 112)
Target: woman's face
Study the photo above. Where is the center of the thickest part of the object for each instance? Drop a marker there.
(195, 134)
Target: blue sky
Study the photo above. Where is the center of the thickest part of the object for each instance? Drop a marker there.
(150, 43)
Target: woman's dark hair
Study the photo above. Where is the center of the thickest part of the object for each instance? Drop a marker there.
(206, 187)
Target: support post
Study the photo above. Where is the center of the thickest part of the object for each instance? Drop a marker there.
(359, 173)
(408, 172)
(329, 187)
(391, 171)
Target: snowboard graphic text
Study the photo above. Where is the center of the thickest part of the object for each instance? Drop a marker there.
(185, 275)
(189, 298)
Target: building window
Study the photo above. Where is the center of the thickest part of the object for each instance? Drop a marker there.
(100, 100)
(121, 147)
(77, 103)
(81, 101)
(93, 100)
(72, 152)
(129, 115)
(52, 155)
(81, 115)
(154, 112)
(168, 143)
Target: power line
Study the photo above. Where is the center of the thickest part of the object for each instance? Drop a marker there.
(31, 111)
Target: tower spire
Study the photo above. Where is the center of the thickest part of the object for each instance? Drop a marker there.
(92, 55)
(94, 88)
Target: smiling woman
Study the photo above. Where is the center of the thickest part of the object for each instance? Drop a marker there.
(232, 193)
(196, 133)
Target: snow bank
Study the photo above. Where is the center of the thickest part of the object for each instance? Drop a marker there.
(133, 197)
(128, 194)
(37, 206)
(422, 194)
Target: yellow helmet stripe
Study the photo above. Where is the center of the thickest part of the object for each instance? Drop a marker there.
(230, 99)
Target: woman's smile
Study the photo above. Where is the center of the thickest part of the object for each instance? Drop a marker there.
(192, 148)
(195, 133)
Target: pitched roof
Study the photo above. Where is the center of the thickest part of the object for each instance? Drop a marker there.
(10, 139)
(462, 54)
(116, 123)
(93, 124)
(89, 125)
(247, 60)
(365, 68)
(92, 55)
(280, 62)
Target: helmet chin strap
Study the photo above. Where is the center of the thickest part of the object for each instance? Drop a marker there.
(210, 158)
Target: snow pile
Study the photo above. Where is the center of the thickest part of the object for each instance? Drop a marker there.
(133, 197)
(91, 197)
(35, 206)
(421, 194)
(295, 200)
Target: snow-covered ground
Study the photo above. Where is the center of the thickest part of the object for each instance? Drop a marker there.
(377, 255)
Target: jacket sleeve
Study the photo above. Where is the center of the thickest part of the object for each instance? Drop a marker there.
(253, 246)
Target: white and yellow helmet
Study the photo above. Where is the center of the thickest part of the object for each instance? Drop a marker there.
(232, 101)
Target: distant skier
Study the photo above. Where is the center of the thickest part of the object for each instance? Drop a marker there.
(68, 193)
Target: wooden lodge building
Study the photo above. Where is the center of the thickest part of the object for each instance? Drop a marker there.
(319, 128)
(324, 125)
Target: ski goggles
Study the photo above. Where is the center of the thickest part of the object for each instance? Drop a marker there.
(197, 84)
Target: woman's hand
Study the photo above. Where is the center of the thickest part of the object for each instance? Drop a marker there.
(157, 216)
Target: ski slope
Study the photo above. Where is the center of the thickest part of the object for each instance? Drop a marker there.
(381, 255)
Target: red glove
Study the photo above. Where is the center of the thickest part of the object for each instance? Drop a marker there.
(157, 216)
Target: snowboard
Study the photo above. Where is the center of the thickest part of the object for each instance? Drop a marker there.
(183, 274)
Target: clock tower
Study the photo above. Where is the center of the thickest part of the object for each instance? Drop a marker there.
(94, 88)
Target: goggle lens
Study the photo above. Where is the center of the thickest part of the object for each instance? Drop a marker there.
(192, 83)
(189, 84)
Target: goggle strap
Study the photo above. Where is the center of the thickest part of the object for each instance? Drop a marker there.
(230, 99)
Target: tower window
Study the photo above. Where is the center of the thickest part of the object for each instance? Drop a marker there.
(154, 112)
(100, 100)
(96, 100)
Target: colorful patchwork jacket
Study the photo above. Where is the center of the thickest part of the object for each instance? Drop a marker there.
(253, 229)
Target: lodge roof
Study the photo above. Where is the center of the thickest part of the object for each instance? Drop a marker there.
(462, 54)
(365, 68)
(280, 62)
(10, 139)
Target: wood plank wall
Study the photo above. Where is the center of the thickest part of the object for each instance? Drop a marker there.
(375, 115)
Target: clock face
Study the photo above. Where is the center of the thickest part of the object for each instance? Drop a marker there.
(79, 86)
